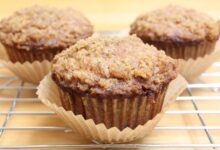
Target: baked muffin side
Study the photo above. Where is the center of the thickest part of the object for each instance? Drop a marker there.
(181, 32)
(116, 81)
(38, 32)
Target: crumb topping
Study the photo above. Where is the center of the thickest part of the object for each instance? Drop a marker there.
(174, 23)
(40, 28)
(113, 66)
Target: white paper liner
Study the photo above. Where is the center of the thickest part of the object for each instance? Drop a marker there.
(48, 92)
(30, 72)
(193, 68)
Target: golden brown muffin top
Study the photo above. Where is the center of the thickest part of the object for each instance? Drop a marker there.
(40, 28)
(113, 66)
(175, 24)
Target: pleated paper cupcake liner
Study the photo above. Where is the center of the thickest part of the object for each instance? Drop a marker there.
(51, 96)
(193, 60)
(29, 72)
(3, 54)
(30, 56)
(192, 68)
(185, 50)
(117, 112)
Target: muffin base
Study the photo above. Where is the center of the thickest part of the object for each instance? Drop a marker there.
(185, 50)
(17, 55)
(115, 112)
(32, 72)
(193, 58)
(49, 93)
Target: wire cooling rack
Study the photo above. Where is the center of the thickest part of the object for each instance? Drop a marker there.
(208, 88)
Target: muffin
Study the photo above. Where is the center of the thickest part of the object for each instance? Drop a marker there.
(39, 33)
(182, 33)
(118, 81)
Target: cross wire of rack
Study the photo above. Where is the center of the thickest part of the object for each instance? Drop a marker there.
(193, 99)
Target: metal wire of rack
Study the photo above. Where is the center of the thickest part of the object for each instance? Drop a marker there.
(9, 78)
